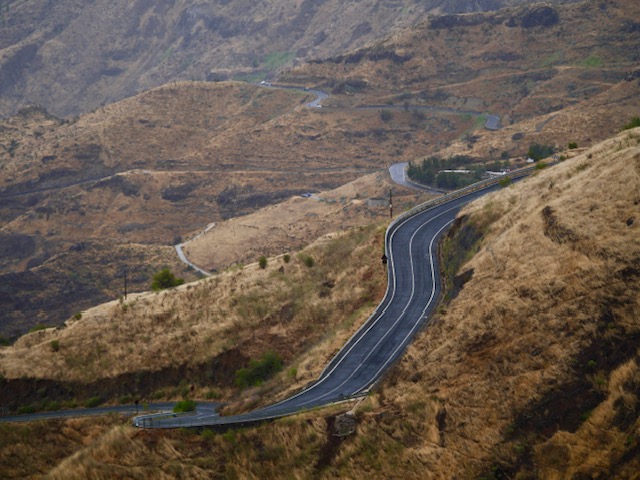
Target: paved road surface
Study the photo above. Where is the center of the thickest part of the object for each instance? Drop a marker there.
(413, 290)
(206, 408)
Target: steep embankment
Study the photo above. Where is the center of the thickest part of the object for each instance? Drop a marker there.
(532, 369)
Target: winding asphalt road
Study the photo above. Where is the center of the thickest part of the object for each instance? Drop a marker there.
(208, 408)
(413, 290)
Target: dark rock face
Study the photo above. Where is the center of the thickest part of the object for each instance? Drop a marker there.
(543, 16)
(16, 246)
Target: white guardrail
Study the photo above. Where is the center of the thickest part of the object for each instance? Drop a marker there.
(523, 172)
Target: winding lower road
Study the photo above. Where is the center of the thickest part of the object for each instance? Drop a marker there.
(413, 290)
(205, 408)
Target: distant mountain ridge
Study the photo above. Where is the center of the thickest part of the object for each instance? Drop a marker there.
(72, 57)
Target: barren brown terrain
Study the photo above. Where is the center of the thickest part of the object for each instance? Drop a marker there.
(297, 221)
(530, 370)
(536, 67)
(71, 57)
(160, 166)
(202, 332)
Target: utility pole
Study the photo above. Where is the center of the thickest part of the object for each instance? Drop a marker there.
(390, 204)
(124, 274)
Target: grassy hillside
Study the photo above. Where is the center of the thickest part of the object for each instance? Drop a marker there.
(531, 371)
(159, 167)
(302, 307)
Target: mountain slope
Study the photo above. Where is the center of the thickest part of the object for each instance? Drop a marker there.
(527, 65)
(72, 56)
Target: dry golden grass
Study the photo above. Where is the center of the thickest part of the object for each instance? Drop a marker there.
(31, 450)
(286, 307)
(570, 73)
(533, 303)
(295, 222)
(609, 433)
(584, 122)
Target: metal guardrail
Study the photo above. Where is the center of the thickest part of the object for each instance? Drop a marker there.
(147, 421)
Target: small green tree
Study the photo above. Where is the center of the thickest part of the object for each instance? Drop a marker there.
(538, 151)
(262, 262)
(573, 145)
(165, 279)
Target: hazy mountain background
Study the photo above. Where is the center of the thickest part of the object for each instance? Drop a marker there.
(72, 56)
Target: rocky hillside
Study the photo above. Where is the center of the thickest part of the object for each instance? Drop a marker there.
(553, 74)
(73, 56)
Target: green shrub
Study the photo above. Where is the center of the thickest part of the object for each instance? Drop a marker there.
(230, 436)
(4, 341)
(260, 370)
(93, 402)
(573, 145)
(540, 165)
(208, 435)
(78, 315)
(386, 116)
(262, 262)
(635, 122)
(184, 406)
(55, 345)
(212, 395)
(157, 395)
(26, 409)
(307, 260)
(165, 279)
(38, 327)
(504, 182)
(286, 258)
(52, 406)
